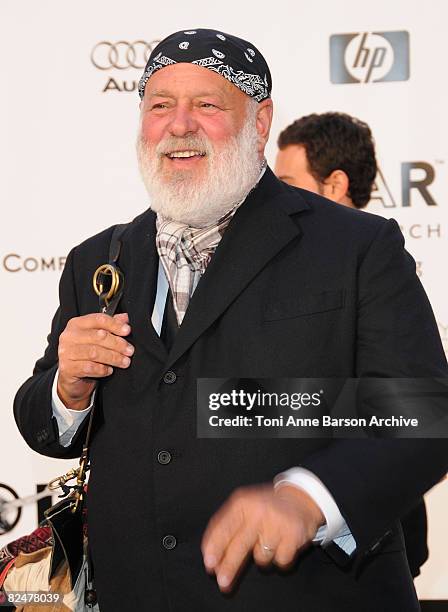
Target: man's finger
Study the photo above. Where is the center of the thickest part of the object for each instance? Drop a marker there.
(286, 552)
(99, 320)
(107, 340)
(96, 354)
(220, 530)
(266, 546)
(235, 556)
(90, 369)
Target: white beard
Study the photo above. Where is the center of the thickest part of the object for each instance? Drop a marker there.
(198, 201)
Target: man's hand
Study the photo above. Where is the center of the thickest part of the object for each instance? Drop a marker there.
(272, 524)
(89, 348)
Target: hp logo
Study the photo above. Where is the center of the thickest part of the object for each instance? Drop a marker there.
(369, 57)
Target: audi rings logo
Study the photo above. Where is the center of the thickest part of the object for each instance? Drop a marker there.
(122, 54)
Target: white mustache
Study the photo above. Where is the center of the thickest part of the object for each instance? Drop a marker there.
(189, 143)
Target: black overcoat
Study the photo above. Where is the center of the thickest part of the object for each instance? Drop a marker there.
(298, 287)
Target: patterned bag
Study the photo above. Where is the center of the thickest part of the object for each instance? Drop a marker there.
(25, 574)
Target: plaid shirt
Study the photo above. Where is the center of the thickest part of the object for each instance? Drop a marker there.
(185, 253)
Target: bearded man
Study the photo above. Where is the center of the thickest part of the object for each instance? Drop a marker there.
(233, 273)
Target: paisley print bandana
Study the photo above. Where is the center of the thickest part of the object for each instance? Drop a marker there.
(235, 59)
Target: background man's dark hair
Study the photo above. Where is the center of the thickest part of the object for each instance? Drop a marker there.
(336, 141)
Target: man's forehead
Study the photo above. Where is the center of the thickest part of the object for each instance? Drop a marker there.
(188, 79)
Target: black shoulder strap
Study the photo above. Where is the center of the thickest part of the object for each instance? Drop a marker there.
(109, 279)
(114, 254)
(115, 242)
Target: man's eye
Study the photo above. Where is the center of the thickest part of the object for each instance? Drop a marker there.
(207, 105)
(159, 105)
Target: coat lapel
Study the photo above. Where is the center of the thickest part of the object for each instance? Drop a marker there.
(259, 230)
(139, 262)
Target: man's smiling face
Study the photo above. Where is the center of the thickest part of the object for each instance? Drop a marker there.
(189, 113)
(201, 143)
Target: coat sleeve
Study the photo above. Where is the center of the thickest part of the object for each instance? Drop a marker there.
(376, 481)
(32, 404)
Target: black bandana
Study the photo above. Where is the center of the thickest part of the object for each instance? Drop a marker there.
(235, 59)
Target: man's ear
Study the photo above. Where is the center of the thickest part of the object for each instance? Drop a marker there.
(263, 123)
(336, 187)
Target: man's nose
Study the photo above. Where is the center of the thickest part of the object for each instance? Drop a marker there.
(182, 122)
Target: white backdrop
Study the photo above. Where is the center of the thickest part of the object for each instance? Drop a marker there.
(68, 164)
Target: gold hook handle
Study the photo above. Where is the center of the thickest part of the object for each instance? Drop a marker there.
(98, 281)
(57, 482)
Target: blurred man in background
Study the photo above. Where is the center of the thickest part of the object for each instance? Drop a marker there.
(333, 154)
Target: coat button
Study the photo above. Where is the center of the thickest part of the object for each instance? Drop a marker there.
(42, 435)
(169, 377)
(164, 457)
(90, 597)
(169, 542)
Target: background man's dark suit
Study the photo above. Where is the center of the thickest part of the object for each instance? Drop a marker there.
(297, 287)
